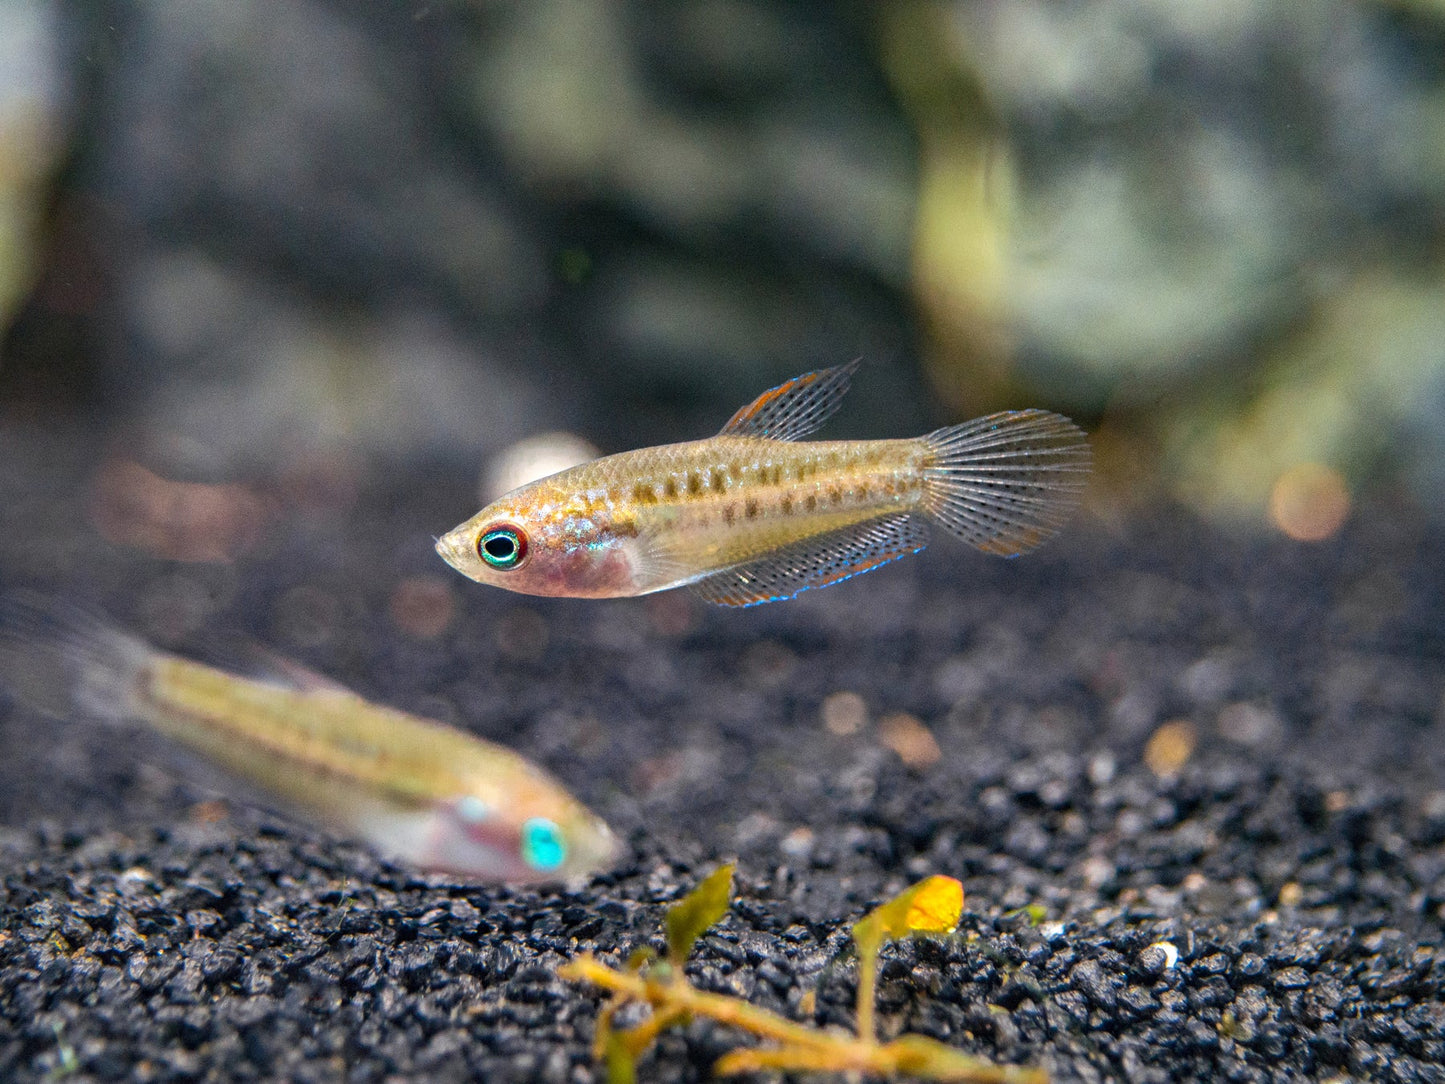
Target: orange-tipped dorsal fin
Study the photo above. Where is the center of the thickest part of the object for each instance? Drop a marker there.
(794, 408)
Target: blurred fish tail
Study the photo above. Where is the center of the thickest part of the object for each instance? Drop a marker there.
(1006, 482)
(59, 659)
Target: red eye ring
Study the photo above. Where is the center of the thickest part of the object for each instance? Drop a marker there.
(503, 547)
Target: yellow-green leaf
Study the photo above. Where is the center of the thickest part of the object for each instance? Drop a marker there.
(933, 905)
(695, 912)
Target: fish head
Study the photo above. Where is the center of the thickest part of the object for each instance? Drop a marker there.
(547, 539)
(543, 837)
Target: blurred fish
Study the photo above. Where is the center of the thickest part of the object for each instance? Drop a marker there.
(749, 516)
(415, 789)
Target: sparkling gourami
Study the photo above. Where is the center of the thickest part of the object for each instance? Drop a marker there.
(417, 790)
(755, 515)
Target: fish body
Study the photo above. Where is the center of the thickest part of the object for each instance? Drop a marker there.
(415, 789)
(754, 515)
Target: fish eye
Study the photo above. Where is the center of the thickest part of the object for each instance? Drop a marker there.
(472, 809)
(503, 547)
(543, 847)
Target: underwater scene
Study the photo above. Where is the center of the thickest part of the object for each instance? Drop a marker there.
(611, 540)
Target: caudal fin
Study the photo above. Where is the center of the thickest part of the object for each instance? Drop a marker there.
(1006, 482)
(60, 659)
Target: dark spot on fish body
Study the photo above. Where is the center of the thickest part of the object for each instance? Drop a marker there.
(720, 479)
(643, 493)
(786, 505)
(750, 508)
(835, 496)
(694, 484)
(669, 488)
(730, 512)
(810, 502)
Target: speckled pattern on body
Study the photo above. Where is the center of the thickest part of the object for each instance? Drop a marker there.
(1272, 909)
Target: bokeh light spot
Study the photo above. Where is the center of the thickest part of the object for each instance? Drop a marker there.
(907, 736)
(1170, 747)
(672, 613)
(177, 521)
(521, 634)
(1309, 502)
(844, 713)
(535, 457)
(422, 606)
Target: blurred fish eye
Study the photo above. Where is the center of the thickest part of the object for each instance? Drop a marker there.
(543, 847)
(503, 547)
(472, 809)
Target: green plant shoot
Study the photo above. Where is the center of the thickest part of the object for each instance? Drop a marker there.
(690, 917)
(932, 906)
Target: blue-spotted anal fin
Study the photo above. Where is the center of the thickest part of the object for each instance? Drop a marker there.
(818, 562)
(795, 408)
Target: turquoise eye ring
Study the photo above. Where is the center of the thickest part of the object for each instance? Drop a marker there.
(503, 547)
(543, 846)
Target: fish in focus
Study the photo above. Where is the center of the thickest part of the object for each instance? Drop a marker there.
(415, 789)
(754, 515)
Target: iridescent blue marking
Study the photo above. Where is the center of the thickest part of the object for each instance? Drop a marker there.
(830, 583)
(543, 847)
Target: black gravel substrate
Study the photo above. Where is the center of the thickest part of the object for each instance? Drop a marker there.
(1273, 909)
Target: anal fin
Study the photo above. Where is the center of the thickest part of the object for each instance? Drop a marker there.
(817, 562)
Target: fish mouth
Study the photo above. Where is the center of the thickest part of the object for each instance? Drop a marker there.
(453, 550)
(608, 846)
(599, 850)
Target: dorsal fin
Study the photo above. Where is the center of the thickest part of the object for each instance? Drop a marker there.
(241, 657)
(795, 408)
(272, 668)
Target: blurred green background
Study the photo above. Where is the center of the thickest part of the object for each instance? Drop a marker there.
(255, 239)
